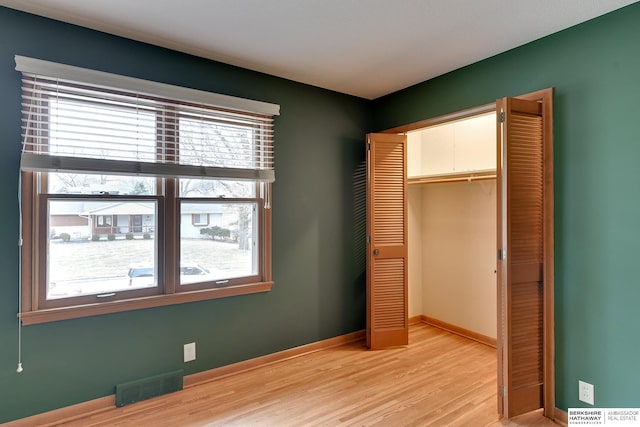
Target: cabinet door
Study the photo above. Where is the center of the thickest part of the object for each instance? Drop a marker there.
(475, 144)
(430, 151)
(463, 146)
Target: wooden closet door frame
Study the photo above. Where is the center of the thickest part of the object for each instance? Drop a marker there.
(545, 97)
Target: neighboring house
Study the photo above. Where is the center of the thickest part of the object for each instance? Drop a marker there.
(195, 217)
(64, 218)
(122, 218)
(81, 219)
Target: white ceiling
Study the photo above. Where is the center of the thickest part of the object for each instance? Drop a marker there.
(367, 48)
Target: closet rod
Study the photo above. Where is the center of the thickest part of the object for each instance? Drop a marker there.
(455, 178)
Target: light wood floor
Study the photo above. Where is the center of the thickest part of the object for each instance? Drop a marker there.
(440, 379)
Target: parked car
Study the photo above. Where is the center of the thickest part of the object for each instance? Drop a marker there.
(144, 275)
(141, 276)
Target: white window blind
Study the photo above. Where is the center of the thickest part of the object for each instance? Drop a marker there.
(85, 121)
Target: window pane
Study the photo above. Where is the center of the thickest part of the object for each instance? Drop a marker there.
(214, 188)
(226, 248)
(75, 183)
(215, 143)
(101, 129)
(100, 246)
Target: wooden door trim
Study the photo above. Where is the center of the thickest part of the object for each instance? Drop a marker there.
(445, 118)
(545, 97)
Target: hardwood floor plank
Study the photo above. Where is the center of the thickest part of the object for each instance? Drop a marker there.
(439, 379)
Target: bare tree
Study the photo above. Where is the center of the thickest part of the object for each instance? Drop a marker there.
(70, 180)
(244, 227)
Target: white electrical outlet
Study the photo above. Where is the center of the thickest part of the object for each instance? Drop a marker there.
(189, 352)
(585, 392)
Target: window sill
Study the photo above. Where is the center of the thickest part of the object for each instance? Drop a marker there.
(74, 312)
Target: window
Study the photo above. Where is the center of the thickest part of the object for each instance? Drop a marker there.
(139, 194)
(104, 221)
(200, 219)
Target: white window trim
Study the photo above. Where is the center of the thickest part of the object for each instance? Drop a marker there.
(101, 78)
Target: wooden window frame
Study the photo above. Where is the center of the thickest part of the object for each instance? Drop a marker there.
(33, 183)
(35, 309)
(238, 281)
(39, 284)
(33, 252)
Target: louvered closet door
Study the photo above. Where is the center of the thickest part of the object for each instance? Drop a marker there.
(521, 241)
(387, 323)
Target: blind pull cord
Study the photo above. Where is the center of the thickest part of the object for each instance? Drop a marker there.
(267, 196)
(20, 369)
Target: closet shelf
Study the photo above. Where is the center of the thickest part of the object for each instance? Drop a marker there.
(468, 176)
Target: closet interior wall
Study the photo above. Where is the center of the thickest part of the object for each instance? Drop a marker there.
(452, 230)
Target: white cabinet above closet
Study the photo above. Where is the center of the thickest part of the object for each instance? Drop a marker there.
(457, 148)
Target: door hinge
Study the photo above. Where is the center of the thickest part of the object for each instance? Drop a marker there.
(368, 239)
(501, 117)
(502, 254)
(369, 146)
(503, 391)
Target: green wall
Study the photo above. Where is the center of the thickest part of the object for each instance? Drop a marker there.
(595, 71)
(318, 232)
(319, 202)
